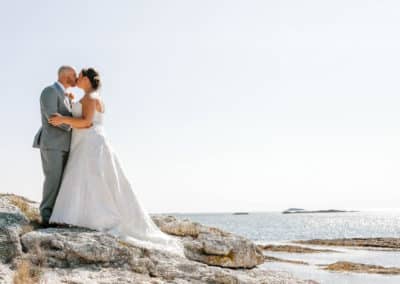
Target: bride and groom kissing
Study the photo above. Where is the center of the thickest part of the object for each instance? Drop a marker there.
(84, 182)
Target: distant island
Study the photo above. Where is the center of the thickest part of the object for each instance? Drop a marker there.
(300, 210)
(241, 213)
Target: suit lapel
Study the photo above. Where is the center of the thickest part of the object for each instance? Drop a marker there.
(65, 99)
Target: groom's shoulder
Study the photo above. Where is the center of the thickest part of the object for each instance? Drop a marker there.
(48, 93)
(49, 89)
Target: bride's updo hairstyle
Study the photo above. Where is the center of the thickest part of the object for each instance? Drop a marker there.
(93, 76)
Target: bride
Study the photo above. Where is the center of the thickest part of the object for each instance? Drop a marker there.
(95, 192)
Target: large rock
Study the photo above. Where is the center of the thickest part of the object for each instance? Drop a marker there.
(12, 223)
(77, 255)
(202, 243)
(72, 247)
(212, 245)
(84, 250)
(89, 275)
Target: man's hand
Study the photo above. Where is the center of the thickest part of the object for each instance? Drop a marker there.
(56, 119)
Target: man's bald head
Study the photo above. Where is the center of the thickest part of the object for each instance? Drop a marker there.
(67, 76)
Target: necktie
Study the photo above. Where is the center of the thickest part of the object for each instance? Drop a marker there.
(68, 101)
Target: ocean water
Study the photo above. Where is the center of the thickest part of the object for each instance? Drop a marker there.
(278, 228)
(274, 226)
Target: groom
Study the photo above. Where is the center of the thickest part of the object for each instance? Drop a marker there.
(54, 141)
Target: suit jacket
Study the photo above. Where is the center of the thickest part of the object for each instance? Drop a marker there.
(49, 137)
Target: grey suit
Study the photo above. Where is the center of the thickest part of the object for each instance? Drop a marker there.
(54, 143)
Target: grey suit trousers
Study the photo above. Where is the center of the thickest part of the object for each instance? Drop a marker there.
(53, 162)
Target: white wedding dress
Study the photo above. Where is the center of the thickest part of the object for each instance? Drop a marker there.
(95, 192)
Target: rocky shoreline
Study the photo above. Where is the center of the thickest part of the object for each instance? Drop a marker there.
(346, 266)
(314, 247)
(293, 249)
(29, 254)
(378, 243)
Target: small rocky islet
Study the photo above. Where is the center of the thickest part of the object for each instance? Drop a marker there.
(304, 211)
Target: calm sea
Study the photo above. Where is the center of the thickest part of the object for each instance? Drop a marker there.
(274, 227)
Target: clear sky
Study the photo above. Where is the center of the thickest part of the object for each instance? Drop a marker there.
(219, 105)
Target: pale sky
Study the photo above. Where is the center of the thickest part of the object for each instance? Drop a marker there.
(219, 105)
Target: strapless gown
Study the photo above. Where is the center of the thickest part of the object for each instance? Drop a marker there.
(95, 192)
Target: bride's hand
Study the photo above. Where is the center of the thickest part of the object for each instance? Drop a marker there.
(56, 119)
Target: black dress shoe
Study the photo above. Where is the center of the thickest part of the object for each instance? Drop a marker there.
(44, 225)
(57, 225)
(50, 225)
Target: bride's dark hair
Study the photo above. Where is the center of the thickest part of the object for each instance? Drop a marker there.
(93, 76)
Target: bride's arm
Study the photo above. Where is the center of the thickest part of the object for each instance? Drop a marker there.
(88, 110)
